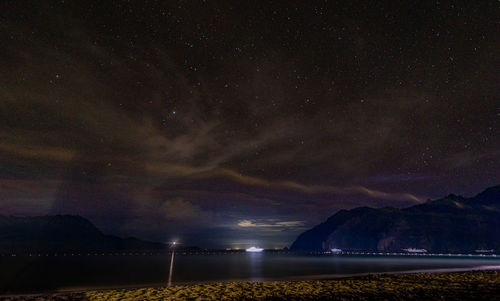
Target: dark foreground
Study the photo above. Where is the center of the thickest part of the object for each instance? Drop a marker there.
(475, 285)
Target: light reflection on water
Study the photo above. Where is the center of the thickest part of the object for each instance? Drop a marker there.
(28, 274)
(255, 266)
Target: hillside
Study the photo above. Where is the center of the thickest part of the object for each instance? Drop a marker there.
(451, 224)
(61, 233)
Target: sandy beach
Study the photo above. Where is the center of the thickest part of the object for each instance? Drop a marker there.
(472, 285)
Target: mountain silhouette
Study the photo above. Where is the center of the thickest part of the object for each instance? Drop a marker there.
(449, 225)
(62, 233)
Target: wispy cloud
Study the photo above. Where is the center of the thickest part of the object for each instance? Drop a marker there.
(270, 225)
(310, 189)
(182, 210)
(468, 158)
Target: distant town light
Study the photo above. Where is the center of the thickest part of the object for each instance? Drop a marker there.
(254, 249)
(414, 250)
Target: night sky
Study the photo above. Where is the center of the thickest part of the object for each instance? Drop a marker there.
(229, 123)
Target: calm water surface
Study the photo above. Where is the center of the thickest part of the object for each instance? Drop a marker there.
(34, 274)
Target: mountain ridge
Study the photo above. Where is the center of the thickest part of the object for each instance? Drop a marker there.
(450, 224)
(62, 233)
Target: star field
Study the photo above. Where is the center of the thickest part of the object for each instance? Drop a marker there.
(147, 115)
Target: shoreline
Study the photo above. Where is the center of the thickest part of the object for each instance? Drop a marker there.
(83, 294)
(471, 285)
(322, 277)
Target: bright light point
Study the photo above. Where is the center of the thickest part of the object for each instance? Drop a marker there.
(254, 249)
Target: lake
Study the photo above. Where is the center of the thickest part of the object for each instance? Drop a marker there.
(23, 274)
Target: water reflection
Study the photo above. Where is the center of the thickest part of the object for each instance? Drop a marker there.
(29, 274)
(255, 260)
(171, 268)
(169, 283)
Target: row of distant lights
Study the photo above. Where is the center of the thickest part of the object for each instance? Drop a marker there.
(335, 253)
(405, 254)
(111, 254)
(88, 254)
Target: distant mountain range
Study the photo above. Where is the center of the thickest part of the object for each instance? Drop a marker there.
(62, 233)
(448, 225)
